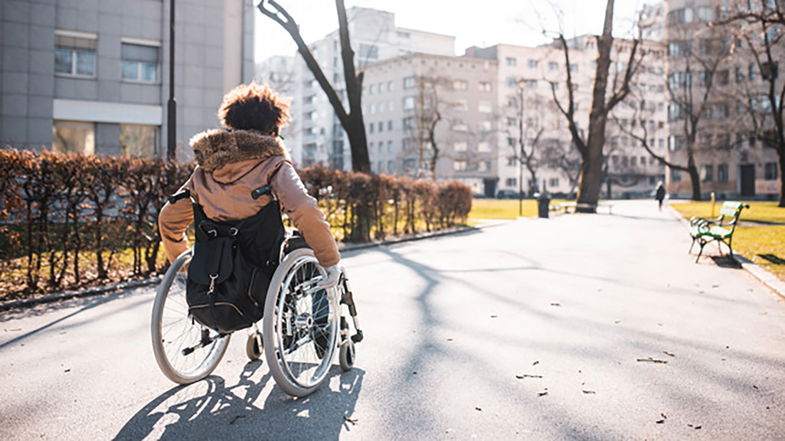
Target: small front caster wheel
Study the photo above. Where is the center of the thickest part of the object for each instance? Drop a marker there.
(254, 346)
(346, 355)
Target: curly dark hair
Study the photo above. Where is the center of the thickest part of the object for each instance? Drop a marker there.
(254, 107)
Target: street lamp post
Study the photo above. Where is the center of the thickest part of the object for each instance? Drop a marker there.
(171, 105)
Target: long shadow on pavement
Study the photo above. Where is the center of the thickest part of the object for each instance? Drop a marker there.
(231, 412)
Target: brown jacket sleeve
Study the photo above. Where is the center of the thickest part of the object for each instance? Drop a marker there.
(173, 221)
(304, 212)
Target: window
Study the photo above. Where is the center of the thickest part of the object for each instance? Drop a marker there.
(679, 48)
(511, 182)
(705, 13)
(408, 123)
(510, 81)
(531, 84)
(460, 85)
(485, 166)
(674, 112)
(73, 137)
(722, 173)
(512, 160)
(370, 127)
(391, 166)
(459, 165)
(553, 182)
(751, 71)
(136, 140)
(461, 105)
(770, 171)
(408, 103)
(675, 175)
(484, 107)
(389, 149)
(676, 143)
(485, 126)
(532, 64)
(511, 61)
(369, 51)
(483, 147)
(140, 62)
(389, 89)
(680, 16)
(460, 146)
(707, 173)
(573, 68)
(75, 54)
(553, 66)
(389, 125)
(408, 82)
(380, 126)
(459, 126)
(484, 86)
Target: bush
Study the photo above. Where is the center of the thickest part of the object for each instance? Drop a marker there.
(71, 220)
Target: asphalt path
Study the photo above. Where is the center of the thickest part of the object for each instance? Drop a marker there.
(590, 327)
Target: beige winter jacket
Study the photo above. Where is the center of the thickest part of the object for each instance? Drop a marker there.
(231, 164)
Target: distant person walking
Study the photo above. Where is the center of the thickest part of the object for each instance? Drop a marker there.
(659, 194)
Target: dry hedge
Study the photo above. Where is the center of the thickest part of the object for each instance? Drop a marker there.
(72, 220)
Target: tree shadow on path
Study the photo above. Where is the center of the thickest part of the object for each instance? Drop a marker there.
(210, 409)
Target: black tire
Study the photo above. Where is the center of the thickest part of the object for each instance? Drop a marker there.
(254, 346)
(346, 355)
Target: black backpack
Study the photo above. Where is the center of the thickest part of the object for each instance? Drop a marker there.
(231, 267)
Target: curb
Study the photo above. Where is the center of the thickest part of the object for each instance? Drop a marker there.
(766, 278)
(87, 292)
(96, 290)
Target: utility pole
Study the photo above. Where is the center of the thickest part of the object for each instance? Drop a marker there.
(171, 105)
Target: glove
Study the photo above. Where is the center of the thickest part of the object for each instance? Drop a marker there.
(331, 278)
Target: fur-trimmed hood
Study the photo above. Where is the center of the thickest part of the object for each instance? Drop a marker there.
(217, 148)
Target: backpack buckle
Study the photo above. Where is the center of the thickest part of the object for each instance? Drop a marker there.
(212, 283)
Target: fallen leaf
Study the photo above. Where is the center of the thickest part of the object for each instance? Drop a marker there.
(543, 393)
(616, 322)
(588, 391)
(715, 286)
(669, 354)
(236, 417)
(555, 304)
(12, 330)
(521, 377)
(67, 370)
(414, 373)
(449, 339)
(536, 363)
(665, 417)
(727, 347)
(659, 421)
(478, 409)
(494, 316)
(352, 421)
(651, 360)
(755, 387)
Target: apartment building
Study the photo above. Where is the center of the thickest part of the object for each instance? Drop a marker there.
(732, 162)
(318, 137)
(419, 104)
(92, 76)
(529, 80)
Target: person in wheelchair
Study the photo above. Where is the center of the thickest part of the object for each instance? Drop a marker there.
(244, 155)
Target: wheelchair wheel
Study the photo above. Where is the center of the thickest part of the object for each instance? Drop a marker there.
(346, 355)
(184, 350)
(254, 346)
(300, 325)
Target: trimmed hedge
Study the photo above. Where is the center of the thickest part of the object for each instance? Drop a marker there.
(71, 220)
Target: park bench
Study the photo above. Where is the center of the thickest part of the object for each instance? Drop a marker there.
(720, 229)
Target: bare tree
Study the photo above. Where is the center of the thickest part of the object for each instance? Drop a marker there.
(591, 148)
(692, 99)
(351, 121)
(565, 158)
(524, 130)
(762, 31)
(427, 115)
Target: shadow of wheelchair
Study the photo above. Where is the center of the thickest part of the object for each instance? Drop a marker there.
(209, 409)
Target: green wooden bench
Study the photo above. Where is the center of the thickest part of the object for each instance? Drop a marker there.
(720, 229)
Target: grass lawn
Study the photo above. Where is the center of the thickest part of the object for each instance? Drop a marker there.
(503, 208)
(752, 241)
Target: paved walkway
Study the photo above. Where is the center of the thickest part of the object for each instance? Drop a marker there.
(530, 330)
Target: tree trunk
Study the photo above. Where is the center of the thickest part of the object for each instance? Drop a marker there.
(781, 154)
(695, 180)
(591, 168)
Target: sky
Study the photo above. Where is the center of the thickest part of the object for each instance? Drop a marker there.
(474, 23)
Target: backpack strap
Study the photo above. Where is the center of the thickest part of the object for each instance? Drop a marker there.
(267, 189)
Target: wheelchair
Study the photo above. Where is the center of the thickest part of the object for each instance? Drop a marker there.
(302, 327)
